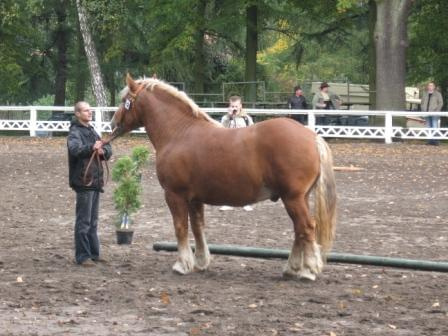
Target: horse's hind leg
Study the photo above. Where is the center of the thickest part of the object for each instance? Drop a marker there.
(305, 260)
(202, 254)
(179, 210)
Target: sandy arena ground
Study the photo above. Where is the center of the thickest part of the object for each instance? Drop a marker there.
(396, 207)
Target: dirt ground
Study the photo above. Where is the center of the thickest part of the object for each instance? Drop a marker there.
(396, 207)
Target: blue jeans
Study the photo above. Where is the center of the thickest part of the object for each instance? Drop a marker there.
(433, 122)
(86, 237)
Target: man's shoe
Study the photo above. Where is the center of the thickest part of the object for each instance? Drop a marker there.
(87, 263)
(100, 260)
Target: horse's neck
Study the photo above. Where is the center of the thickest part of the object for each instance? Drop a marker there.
(164, 122)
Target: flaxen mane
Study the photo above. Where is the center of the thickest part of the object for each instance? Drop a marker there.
(151, 83)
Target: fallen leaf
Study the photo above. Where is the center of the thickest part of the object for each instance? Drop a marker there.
(392, 326)
(195, 331)
(165, 298)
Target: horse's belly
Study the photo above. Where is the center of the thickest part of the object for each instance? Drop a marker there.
(265, 194)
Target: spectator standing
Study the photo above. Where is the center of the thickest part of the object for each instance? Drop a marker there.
(236, 117)
(324, 100)
(432, 101)
(298, 102)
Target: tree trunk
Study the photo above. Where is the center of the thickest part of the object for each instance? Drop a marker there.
(62, 38)
(251, 52)
(96, 77)
(372, 55)
(391, 43)
(199, 61)
(443, 84)
(81, 75)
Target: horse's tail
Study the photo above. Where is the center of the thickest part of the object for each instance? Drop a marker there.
(325, 200)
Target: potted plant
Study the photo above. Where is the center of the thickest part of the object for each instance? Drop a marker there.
(127, 174)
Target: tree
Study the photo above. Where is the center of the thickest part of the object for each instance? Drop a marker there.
(61, 37)
(428, 54)
(391, 43)
(96, 76)
(200, 60)
(372, 55)
(251, 52)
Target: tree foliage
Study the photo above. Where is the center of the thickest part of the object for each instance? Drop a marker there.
(127, 174)
(201, 43)
(428, 52)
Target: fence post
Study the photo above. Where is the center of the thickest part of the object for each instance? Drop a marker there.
(33, 122)
(311, 120)
(388, 128)
(98, 120)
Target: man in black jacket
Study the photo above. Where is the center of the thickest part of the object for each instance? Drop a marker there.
(82, 141)
(298, 102)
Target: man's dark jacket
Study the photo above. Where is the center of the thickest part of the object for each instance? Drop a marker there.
(80, 143)
(297, 103)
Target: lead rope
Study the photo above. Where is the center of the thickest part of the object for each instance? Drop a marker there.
(96, 155)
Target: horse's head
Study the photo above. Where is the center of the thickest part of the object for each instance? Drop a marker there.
(127, 117)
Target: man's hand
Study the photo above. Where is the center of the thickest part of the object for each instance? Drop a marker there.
(98, 146)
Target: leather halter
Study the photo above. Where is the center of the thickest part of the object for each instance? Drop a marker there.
(129, 102)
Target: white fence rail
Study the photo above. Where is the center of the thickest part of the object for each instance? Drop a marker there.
(35, 123)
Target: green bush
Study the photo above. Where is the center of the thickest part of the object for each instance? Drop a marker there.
(127, 174)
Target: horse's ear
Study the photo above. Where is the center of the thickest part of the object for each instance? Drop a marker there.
(132, 85)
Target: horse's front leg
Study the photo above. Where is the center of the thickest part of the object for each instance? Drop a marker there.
(179, 210)
(202, 253)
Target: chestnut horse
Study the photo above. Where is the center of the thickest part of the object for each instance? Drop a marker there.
(199, 162)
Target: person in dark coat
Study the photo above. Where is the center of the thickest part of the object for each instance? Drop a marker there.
(82, 141)
(298, 102)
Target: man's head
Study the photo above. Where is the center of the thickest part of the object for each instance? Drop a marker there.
(324, 87)
(298, 91)
(431, 86)
(235, 105)
(83, 112)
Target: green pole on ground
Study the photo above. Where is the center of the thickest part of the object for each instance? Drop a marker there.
(344, 258)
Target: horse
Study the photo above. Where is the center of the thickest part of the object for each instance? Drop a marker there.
(199, 162)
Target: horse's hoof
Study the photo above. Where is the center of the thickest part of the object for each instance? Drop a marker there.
(289, 273)
(202, 262)
(306, 274)
(200, 268)
(180, 269)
